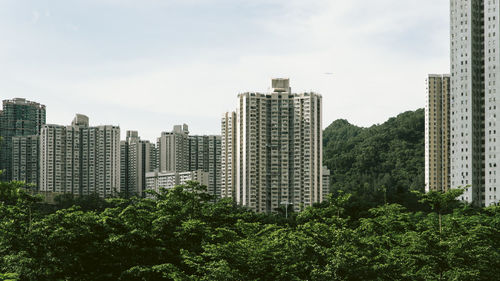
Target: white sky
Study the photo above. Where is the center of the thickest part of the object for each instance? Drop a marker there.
(147, 65)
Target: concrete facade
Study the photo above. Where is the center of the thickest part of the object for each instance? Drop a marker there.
(167, 180)
(474, 108)
(135, 155)
(205, 155)
(437, 133)
(326, 183)
(19, 117)
(279, 149)
(173, 150)
(228, 155)
(26, 159)
(79, 159)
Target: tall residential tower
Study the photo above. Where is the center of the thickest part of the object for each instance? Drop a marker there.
(19, 117)
(173, 150)
(228, 155)
(80, 159)
(475, 86)
(278, 149)
(437, 133)
(26, 159)
(205, 155)
(137, 157)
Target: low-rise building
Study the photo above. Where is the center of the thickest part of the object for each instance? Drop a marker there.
(166, 180)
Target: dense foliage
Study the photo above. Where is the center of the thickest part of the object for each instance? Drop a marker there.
(181, 237)
(380, 164)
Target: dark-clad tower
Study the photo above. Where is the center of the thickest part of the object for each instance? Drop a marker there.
(19, 117)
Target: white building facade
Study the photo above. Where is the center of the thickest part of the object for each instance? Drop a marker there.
(168, 180)
(137, 159)
(26, 159)
(475, 143)
(173, 149)
(228, 155)
(79, 159)
(279, 151)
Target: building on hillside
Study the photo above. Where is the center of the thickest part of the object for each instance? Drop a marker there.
(437, 133)
(26, 159)
(79, 159)
(326, 183)
(19, 117)
(278, 149)
(475, 87)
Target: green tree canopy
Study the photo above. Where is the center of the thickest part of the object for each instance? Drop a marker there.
(180, 235)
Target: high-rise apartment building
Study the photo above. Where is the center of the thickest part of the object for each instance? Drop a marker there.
(25, 159)
(153, 156)
(19, 117)
(475, 86)
(205, 155)
(279, 149)
(437, 133)
(135, 162)
(228, 155)
(326, 182)
(173, 150)
(80, 159)
(179, 152)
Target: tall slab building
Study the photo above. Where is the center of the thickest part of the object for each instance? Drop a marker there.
(437, 133)
(26, 159)
(19, 117)
(205, 155)
(80, 159)
(137, 157)
(326, 183)
(179, 152)
(228, 155)
(475, 85)
(278, 149)
(173, 150)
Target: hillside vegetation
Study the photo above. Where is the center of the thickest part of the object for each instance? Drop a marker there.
(379, 164)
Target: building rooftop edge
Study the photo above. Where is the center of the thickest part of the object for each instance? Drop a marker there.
(23, 101)
(270, 94)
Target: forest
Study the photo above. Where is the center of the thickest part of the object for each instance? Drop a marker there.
(180, 236)
(380, 164)
(377, 224)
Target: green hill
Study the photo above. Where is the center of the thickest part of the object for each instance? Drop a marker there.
(367, 161)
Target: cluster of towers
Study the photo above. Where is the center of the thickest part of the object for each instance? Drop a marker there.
(269, 153)
(461, 108)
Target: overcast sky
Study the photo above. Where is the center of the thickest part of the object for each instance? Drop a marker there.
(147, 65)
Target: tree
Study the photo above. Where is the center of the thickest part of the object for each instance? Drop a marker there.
(441, 202)
(8, 277)
(183, 235)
